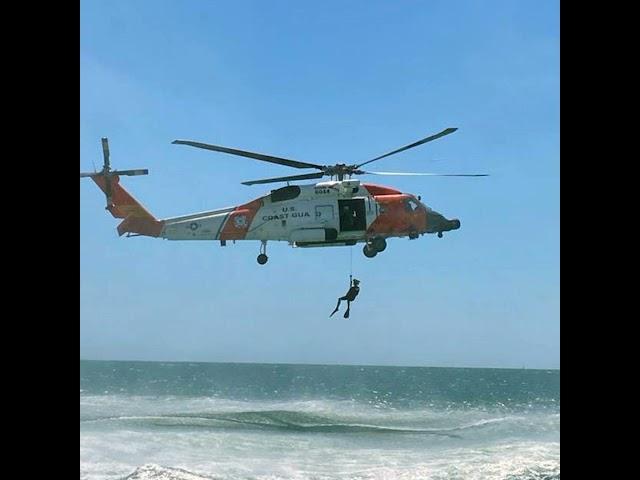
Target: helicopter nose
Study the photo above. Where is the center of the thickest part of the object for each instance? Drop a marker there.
(437, 223)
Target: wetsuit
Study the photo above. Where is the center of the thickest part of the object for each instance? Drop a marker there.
(349, 297)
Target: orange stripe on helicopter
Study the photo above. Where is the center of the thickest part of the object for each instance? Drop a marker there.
(239, 221)
(376, 190)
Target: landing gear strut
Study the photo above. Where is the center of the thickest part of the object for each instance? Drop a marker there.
(379, 244)
(374, 246)
(262, 258)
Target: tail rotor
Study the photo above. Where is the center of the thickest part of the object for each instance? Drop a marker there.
(107, 174)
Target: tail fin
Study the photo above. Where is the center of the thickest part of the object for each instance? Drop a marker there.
(137, 220)
(121, 204)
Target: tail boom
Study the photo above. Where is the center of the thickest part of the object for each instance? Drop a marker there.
(121, 204)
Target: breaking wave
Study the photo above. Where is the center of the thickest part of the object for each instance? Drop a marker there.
(498, 472)
(305, 422)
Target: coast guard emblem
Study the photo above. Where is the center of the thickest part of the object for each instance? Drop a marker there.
(240, 221)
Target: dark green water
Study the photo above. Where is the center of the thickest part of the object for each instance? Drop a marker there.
(400, 387)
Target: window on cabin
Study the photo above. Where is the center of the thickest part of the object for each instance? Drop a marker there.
(285, 193)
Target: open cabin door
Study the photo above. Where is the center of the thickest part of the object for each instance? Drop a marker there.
(353, 216)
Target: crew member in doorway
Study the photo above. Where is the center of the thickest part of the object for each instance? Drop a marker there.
(346, 219)
(351, 295)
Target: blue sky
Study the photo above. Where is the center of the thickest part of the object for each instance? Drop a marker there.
(325, 82)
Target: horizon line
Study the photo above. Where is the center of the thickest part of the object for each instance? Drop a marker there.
(524, 367)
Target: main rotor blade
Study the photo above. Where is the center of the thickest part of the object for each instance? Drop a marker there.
(308, 176)
(419, 142)
(428, 174)
(256, 156)
(84, 175)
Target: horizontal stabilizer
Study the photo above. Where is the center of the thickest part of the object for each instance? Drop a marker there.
(131, 173)
(140, 226)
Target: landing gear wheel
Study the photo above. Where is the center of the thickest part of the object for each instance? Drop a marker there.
(262, 258)
(369, 252)
(439, 234)
(379, 244)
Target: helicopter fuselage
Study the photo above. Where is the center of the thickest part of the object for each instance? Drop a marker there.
(334, 213)
(324, 214)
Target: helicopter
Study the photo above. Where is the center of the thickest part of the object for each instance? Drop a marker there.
(339, 212)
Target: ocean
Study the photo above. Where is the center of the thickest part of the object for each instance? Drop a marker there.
(195, 421)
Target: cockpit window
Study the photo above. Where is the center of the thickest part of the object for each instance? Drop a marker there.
(411, 205)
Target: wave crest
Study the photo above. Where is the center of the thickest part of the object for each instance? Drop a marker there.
(306, 422)
(157, 472)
